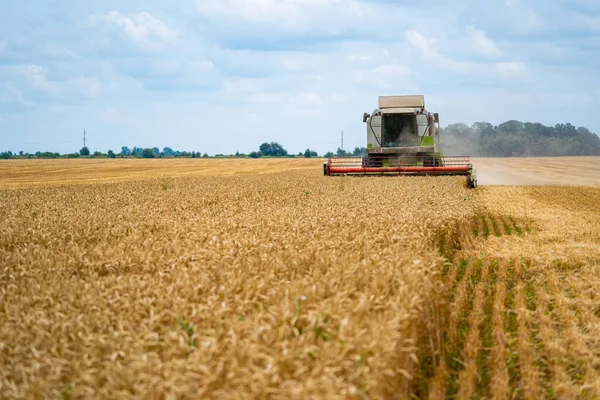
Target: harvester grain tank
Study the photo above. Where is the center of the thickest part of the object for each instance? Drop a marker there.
(403, 138)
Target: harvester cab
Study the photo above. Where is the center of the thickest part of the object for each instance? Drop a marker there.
(403, 138)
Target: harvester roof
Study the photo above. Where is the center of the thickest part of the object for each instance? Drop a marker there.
(398, 110)
(412, 101)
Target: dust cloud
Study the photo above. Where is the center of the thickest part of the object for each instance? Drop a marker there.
(488, 176)
(538, 171)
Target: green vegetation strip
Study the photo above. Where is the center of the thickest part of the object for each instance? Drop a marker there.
(455, 349)
(495, 226)
(518, 230)
(462, 269)
(486, 229)
(510, 326)
(538, 345)
(506, 225)
(475, 227)
(485, 331)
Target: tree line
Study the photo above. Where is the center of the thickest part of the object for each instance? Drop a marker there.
(518, 139)
(482, 139)
(272, 149)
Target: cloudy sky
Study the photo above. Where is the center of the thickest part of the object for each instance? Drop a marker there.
(224, 76)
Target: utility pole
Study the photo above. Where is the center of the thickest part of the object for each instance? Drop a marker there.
(342, 139)
(84, 137)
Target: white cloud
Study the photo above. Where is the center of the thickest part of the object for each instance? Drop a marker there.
(37, 77)
(359, 58)
(9, 93)
(481, 43)
(143, 30)
(511, 68)
(79, 86)
(587, 21)
(338, 98)
(183, 67)
(307, 100)
(266, 98)
(55, 51)
(427, 49)
(524, 15)
(388, 76)
(289, 15)
(424, 45)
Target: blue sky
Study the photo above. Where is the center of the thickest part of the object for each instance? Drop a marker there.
(224, 76)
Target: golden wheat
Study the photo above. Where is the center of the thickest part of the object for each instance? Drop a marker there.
(221, 279)
(282, 285)
(544, 317)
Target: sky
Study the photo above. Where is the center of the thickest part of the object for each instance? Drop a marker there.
(225, 76)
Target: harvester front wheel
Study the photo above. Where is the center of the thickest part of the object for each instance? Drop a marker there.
(472, 182)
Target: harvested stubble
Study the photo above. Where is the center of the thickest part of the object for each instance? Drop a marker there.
(543, 315)
(280, 285)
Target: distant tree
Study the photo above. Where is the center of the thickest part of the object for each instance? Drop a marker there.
(167, 151)
(460, 130)
(125, 151)
(137, 151)
(111, 154)
(255, 154)
(21, 153)
(483, 129)
(156, 151)
(359, 151)
(511, 127)
(148, 153)
(205, 155)
(84, 151)
(49, 154)
(273, 149)
(310, 153)
(4, 155)
(516, 138)
(342, 153)
(98, 154)
(329, 154)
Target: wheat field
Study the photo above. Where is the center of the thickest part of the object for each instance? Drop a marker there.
(264, 279)
(525, 314)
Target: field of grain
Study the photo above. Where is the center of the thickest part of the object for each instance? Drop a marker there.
(491, 171)
(52, 172)
(524, 317)
(218, 286)
(221, 279)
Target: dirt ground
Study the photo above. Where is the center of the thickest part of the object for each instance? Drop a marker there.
(580, 171)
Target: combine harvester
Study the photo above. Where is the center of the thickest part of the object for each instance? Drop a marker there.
(402, 139)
